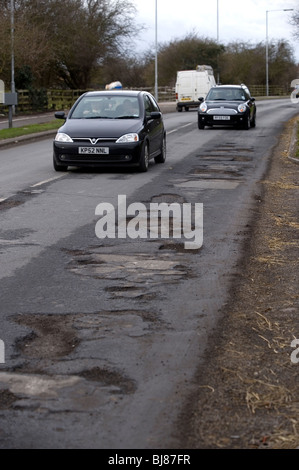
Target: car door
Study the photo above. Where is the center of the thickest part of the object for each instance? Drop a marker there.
(154, 126)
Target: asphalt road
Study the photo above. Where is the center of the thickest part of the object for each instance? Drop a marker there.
(102, 337)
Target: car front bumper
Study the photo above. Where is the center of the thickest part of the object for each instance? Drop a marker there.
(67, 154)
(225, 119)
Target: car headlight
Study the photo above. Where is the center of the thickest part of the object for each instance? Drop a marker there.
(128, 138)
(61, 137)
(203, 107)
(242, 108)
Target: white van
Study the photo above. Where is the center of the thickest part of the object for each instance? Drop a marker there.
(193, 84)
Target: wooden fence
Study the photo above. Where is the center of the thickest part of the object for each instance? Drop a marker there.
(54, 100)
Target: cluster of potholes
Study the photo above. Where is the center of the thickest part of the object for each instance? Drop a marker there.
(52, 360)
(55, 338)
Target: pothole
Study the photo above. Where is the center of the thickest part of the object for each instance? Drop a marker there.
(7, 399)
(222, 184)
(211, 173)
(141, 268)
(228, 158)
(109, 378)
(178, 247)
(168, 198)
(9, 204)
(52, 336)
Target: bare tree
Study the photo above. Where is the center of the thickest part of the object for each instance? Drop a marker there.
(63, 41)
(295, 22)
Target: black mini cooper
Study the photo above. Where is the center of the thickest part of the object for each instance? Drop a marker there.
(227, 105)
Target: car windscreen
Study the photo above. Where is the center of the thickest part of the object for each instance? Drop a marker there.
(107, 107)
(226, 94)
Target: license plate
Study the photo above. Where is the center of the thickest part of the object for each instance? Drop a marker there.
(186, 98)
(222, 118)
(93, 150)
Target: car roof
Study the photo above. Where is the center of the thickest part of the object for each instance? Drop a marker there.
(131, 93)
(230, 86)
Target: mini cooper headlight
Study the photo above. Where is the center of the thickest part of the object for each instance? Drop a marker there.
(128, 138)
(61, 137)
(203, 107)
(242, 108)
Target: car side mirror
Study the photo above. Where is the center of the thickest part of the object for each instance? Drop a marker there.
(60, 115)
(200, 99)
(155, 115)
(252, 99)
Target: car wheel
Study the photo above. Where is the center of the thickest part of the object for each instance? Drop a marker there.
(247, 122)
(200, 125)
(144, 158)
(58, 167)
(253, 122)
(162, 157)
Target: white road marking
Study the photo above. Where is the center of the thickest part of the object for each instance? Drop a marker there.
(46, 181)
(179, 128)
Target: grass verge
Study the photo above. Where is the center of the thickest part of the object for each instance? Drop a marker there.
(30, 129)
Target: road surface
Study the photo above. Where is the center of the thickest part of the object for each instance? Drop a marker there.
(103, 336)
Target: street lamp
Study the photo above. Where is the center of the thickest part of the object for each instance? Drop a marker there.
(267, 47)
(156, 51)
(218, 76)
(12, 21)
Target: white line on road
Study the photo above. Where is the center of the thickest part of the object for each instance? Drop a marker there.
(179, 128)
(46, 181)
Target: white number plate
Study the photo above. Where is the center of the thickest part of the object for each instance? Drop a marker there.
(93, 150)
(222, 118)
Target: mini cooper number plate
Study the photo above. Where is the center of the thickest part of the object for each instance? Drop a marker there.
(93, 150)
(222, 118)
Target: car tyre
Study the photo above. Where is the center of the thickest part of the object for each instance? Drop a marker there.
(59, 167)
(144, 158)
(162, 157)
(200, 125)
(247, 122)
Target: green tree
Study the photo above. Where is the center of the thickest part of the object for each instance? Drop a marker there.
(295, 23)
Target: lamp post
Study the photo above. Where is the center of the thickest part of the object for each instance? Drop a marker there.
(217, 21)
(156, 51)
(12, 13)
(218, 75)
(267, 47)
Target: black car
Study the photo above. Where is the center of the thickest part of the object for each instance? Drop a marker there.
(229, 105)
(106, 128)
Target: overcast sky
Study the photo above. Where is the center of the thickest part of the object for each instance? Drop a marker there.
(239, 20)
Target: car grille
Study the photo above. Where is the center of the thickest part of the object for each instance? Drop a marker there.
(222, 111)
(93, 141)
